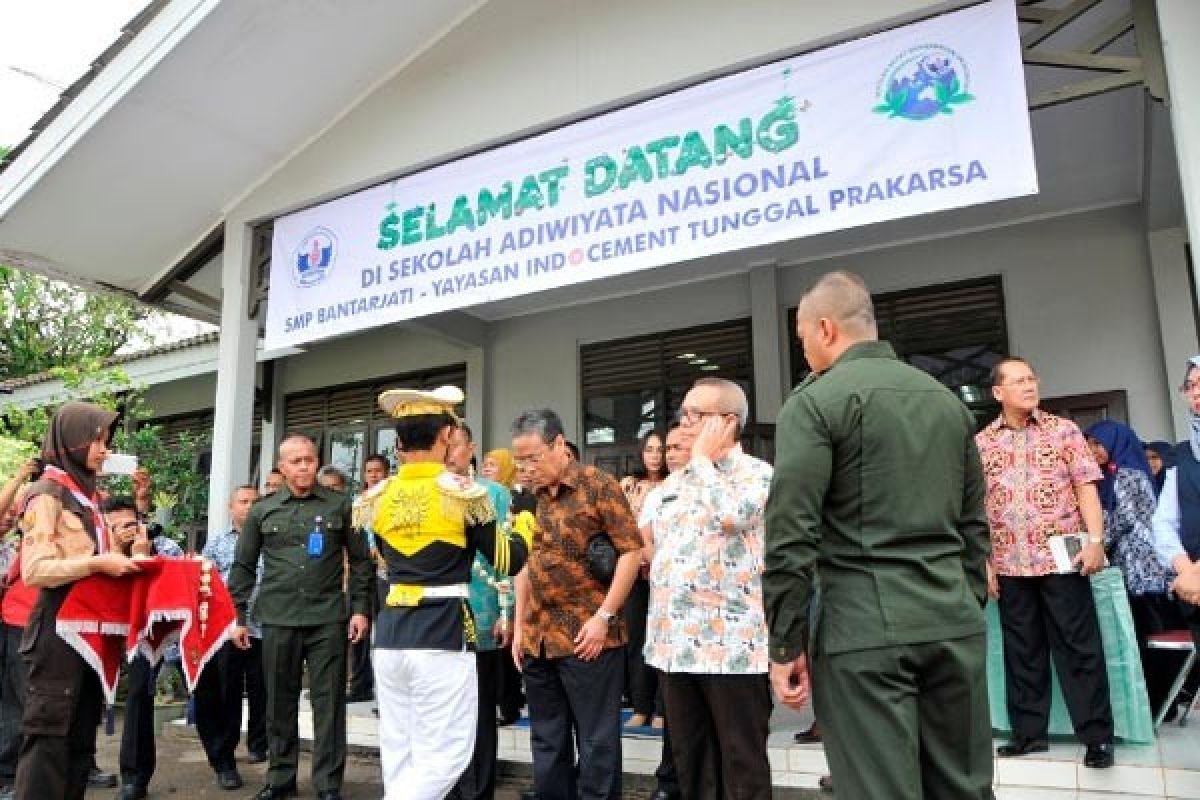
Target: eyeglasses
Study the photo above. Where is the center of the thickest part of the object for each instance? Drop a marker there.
(690, 416)
(1024, 380)
(529, 461)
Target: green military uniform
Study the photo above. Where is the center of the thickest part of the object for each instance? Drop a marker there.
(878, 487)
(303, 611)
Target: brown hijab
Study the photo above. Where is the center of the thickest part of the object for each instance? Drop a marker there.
(74, 427)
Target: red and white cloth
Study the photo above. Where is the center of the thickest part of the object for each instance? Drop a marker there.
(109, 619)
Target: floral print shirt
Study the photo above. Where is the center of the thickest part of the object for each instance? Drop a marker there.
(1031, 478)
(221, 550)
(706, 602)
(1127, 534)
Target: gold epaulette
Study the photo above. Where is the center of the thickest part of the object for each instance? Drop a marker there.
(363, 509)
(464, 497)
(524, 525)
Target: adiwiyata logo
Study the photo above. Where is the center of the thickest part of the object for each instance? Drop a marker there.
(313, 258)
(923, 82)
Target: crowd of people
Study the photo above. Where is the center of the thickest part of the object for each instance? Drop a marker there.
(698, 591)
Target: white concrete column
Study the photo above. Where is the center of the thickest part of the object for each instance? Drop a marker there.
(1176, 319)
(1179, 22)
(767, 335)
(478, 364)
(272, 431)
(234, 411)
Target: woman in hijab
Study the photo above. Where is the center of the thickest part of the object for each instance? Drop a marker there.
(1127, 496)
(1161, 457)
(1177, 518)
(498, 466)
(65, 539)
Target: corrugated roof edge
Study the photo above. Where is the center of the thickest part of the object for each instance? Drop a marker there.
(128, 31)
(169, 347)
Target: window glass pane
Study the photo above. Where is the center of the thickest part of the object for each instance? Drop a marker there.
(385, 445)
(347, 452)
(620, 418)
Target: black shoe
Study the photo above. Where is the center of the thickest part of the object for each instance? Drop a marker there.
(329, 794)
(810, 736)
(503, 721)
(101, 780)
(1099, 756)
(269, 792)
(1022, 747)
(256, 757)
(131, 791)
(360, 697)
(228, 779)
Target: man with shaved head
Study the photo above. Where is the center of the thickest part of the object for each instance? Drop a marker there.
(878, 489)
(303, 532)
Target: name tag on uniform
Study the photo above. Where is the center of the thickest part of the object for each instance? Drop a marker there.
(316, 544)
(316, 539)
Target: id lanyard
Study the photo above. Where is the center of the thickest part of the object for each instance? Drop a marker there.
(316, 538)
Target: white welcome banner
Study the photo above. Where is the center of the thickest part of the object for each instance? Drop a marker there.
(923, 118)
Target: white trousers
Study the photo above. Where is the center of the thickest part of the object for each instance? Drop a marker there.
(428, 704)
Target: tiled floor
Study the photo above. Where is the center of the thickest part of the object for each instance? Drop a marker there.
(1167, 769)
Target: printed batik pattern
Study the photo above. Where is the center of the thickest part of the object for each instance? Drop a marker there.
(1031, 478)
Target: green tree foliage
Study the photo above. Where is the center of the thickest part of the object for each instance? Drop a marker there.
(50, 324)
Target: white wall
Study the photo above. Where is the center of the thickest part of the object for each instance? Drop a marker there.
(182, 396)
(1078, 292)
(388, 351)
(1176, 317)
(535, 359)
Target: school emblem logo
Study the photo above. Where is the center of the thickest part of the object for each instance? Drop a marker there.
(924, 82)
(313, 259)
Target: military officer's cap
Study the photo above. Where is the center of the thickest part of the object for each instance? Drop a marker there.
(411, 402)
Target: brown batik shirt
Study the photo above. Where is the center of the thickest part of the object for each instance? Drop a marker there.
(562, 594)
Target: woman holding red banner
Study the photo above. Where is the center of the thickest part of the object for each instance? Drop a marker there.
(65, 539)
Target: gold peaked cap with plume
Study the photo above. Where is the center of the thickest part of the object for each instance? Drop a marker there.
(411, 402)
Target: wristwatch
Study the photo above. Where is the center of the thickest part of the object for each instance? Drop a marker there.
(606, 615)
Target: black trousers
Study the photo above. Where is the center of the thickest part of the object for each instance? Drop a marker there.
(719, 732)
(286, 650)
(62, 710)
(643, 679)
(569, 695)
(668, 778)
(13, 685)
(1155, 613)
(138, 757)
(1054, 615)
(510, 694)
(478, 781)
(218, 703)
(362, 675)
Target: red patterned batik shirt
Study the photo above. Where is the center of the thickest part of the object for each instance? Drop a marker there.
(1031, 478)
